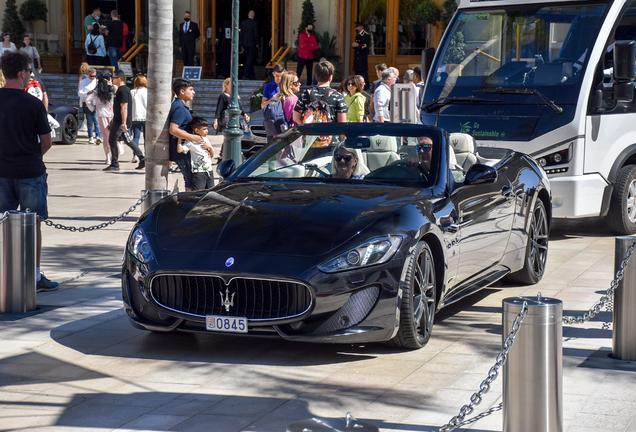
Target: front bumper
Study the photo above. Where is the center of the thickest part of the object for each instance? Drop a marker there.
(577, 196)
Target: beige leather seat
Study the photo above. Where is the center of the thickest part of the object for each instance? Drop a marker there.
(382, 152)
(463, 146)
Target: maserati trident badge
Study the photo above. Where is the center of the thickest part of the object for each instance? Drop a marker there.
(229, 261)
(228, 301)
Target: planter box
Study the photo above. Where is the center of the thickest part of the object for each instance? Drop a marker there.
(52, 63)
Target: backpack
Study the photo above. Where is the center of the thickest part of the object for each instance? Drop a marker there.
(274, 118)
(92, 49)
(35, 89)
(319, 111)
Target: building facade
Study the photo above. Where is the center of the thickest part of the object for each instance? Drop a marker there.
(396, 39)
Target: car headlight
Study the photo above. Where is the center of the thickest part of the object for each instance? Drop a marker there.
(375, 251)
(139, 247)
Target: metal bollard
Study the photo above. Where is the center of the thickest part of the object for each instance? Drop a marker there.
(624, 335)
(17, 262)
(153, 197)
(533, 374)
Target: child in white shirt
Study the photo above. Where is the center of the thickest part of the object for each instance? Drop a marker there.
(202, 176)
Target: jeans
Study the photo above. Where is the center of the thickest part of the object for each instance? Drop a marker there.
(27, 193)
(115, 54)
(185, 165)
(137, 129)
(91, 122)
(115, 135)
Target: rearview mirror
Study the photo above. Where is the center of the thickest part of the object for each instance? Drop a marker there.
(480, 174)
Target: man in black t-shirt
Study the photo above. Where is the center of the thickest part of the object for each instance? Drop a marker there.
(115, 32)
(323, 72)
(122, 121)
(25, 136)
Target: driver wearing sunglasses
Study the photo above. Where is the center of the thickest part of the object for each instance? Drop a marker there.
(424, 151)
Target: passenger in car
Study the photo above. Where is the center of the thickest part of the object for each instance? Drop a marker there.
(347, 164)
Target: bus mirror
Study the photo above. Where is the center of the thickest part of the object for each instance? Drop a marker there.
(427, 62)
(624, 91)
(624, 57)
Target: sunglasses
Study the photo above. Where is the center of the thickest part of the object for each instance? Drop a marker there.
(346, 158)
(92, 76)
(423, 147)
(296, 83)
(351, 84)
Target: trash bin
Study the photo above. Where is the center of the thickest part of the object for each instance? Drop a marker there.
(153, 197)
(624, 334)
(17, 262)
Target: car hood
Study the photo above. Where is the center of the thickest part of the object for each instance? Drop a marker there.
(280, 219)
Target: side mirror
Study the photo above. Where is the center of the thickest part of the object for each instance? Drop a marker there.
(480, 174)
(427, 61)
(226, 168)
(624, 53)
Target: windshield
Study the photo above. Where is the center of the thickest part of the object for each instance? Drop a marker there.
(394, 155)
(543, 49)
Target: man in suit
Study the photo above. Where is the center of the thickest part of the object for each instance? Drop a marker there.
(249, 41)
(361, 53)
(188, 35)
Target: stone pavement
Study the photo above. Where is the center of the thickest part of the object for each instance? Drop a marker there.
(77, 364)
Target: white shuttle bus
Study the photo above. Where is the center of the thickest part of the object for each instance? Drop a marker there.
(554, 79)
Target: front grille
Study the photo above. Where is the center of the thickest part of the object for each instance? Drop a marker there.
(255, 299)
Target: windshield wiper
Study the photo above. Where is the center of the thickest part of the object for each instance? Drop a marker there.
(437, 103)
(500, 90)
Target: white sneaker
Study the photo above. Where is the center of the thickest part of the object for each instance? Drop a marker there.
(98, 141)
(91, 140)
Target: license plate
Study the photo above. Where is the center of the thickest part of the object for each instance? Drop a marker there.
(226, 324)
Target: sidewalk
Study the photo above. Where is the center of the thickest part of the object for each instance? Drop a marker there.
(77, 363)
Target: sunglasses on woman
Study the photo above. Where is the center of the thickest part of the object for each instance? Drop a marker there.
(296, 83)
(423, 147)
(346, 158)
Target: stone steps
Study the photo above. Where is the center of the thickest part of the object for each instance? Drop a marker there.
(63, 89)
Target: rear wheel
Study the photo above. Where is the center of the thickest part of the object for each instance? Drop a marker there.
(68, 129)
(622, 211)
(417, 309)
(536, 250)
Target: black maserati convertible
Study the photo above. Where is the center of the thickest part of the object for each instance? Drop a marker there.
(340, 234)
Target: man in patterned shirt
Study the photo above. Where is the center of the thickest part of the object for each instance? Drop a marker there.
(323, 72)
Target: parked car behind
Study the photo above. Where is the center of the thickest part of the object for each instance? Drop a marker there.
(66, 116)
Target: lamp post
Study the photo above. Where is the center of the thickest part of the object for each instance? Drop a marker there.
(233, 133)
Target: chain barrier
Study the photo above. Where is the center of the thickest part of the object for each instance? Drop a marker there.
(607, 299)
(4, 216)
(493, 373)
(100, 226)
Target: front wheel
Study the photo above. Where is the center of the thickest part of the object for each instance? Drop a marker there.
(536, 254)
(417, 309)
(68, 129)
(622, 211)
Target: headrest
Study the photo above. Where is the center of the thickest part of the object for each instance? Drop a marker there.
(462, 143)
(382, 143)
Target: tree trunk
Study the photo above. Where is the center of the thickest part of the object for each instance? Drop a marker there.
(160, 60)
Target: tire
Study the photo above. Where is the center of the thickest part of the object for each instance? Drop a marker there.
(68, 129)
(536, 250)
(419, 300)
(622, 211)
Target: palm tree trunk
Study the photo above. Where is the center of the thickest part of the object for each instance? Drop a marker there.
(160, 61)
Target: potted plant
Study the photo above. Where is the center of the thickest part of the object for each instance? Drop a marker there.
(34, 11)
(52, 62)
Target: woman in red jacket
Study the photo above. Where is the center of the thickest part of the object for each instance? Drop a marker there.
(307, 44)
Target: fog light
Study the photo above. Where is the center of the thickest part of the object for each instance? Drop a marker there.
(542, 162)
(558, 158)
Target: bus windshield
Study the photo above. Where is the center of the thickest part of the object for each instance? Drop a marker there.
(505, 50)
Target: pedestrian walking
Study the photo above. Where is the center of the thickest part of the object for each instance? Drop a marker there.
(361, 52)
(101, 102)
(307, 44)
(179, 118)
(33, 53)
(83, 74)
(95, 48)
(222, 116)
(323, 91)
(249, 40)
(115, 32)
(188, 34)
(271, 88)
(25, 137)
(7, 45)
(382, 96)
(139, 96)
(86, 88)
(355, 100)
(121, 123)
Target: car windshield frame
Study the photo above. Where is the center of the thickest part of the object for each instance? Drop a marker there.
(514, 47)
(305, 154)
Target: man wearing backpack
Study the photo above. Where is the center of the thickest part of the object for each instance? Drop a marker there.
(321, 103)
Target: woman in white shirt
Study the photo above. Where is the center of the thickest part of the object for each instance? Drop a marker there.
(33, 53)
(6, 44)
(139, 97)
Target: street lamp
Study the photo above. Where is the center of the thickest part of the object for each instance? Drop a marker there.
(233, 133)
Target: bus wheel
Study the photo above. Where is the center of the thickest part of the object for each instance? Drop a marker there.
(622, 211)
